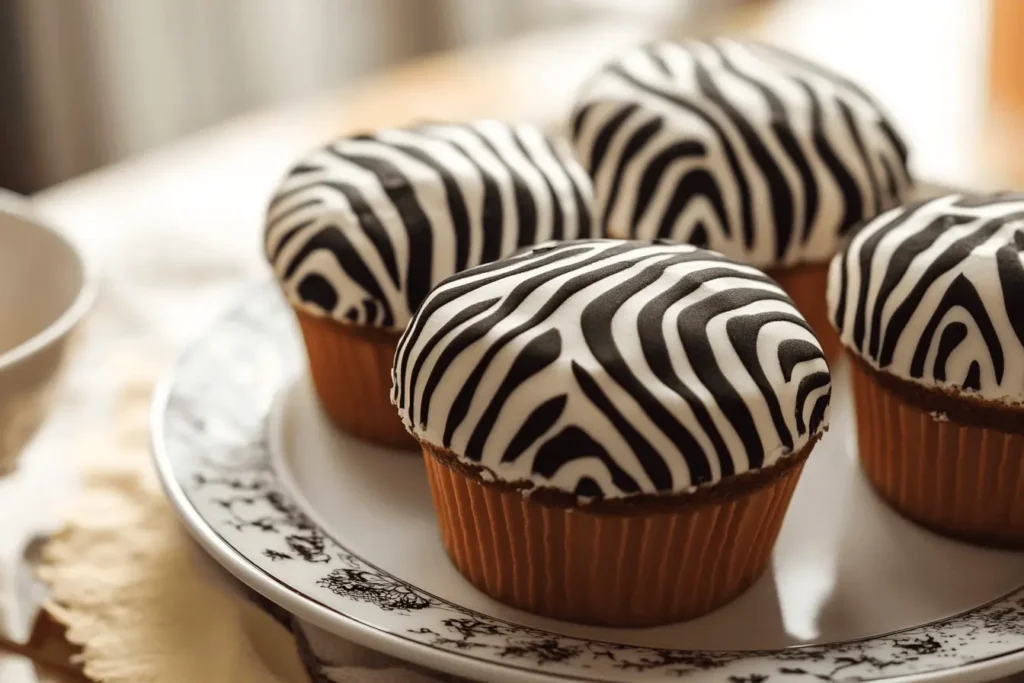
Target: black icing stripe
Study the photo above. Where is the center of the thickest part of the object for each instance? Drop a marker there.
(335, 242)
(1011, 280)
(694, 183)
(743, 332)
(770, 123)
(525, 203)
(540, 352)
(843, 264)
(793, 352)
(943, 263)
(952, 335)
(818, 413)
(652, 463)
(573, 443)
(960, 294)
(596, 324)
(557, 218)
(743, 187)
(932, 289)
(374, 230)
(491, 183)
(899, 263)
(535, 426)
(579, 120)
(865, 158)
(897, 144)
(866, 254)
(657, 60)
(287, 237)
(641, 314)
(603, 139)
(654, 173)
(479, 328)
(418, 227)
(467, 313)
(460, 406)
(852, 197)
(781, 125)
(493, 214)
(778, 189)
(808, 385)
(287, 216)
(513, 266)
(455, 201)
(283, 194)
(636, 142)
(582, 195)
(656, 351)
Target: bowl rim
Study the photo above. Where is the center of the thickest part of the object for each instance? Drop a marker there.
(22, 209)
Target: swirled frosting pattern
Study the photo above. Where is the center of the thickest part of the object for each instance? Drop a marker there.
(361, 229)
(738, 147)
(933, 293)
(609, 368)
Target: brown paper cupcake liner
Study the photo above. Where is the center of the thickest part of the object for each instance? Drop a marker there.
(961, 480)
(805, 284)
(620, 565)
(351, 369)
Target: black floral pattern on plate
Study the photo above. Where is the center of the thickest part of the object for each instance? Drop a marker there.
(214, 440)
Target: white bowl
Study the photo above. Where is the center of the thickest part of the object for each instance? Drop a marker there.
(46, 287)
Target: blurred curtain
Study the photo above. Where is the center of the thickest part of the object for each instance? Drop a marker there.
(85, 83)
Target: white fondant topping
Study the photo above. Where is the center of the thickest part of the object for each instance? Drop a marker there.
(934, 293)
(606, 368)
(361, 229)
(737, 147)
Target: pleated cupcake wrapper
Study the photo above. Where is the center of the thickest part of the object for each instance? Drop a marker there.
(805, 284)
(351, 369)
(961, 481)
(625, 568)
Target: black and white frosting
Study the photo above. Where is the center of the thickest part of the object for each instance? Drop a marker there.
(934, 293)
(362, 229)
(609, 368)
(738, 147)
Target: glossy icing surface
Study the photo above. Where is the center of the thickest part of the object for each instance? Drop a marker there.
(738, 147)
(360, 230)
(607, 369)
(933, 293)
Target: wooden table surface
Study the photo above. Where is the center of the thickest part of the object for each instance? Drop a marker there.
(930, 62)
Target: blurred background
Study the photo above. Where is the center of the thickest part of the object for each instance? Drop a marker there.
(85, 84)
(88, 83)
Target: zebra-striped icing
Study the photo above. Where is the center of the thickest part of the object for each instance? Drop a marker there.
(361, 229)
(934, 293)
(610, 368)
(738, 147)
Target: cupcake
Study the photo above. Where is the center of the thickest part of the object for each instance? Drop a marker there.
(929, 302)
(361, 230)
(741, 148)
(612, 429)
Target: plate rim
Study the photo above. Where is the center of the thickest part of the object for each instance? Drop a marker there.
(300, 605)
(378, 638)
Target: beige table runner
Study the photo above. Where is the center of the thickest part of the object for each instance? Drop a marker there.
(143, 602)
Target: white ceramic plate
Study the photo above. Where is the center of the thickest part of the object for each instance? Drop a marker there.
(342, 534)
